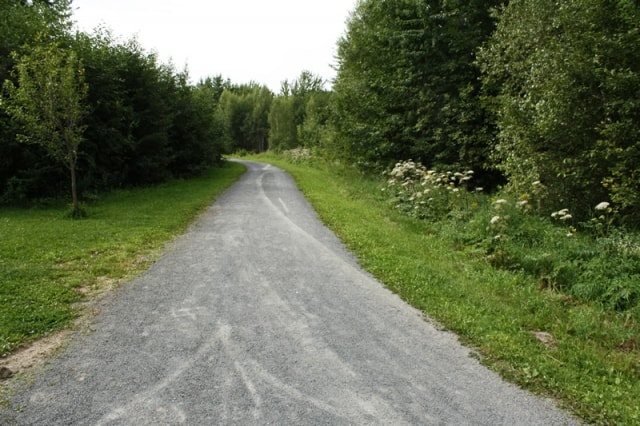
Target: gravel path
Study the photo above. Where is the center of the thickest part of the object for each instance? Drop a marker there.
(258, 315)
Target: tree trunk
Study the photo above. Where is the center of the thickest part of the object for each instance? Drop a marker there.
(74, 189)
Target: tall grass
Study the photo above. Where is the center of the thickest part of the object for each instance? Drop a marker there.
(584, 352)
(48, 262)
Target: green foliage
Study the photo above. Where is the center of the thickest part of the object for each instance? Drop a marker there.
(23, 25)
(48, 103)
(298, 155)
(428, 194)
(299, 114)
(48, 263)
(283, 133)
(599, 265)
(566, 80)
(407, 86)
(196, 135)
(144, 124)
(243, 112)
(313, 132)
(302, 89)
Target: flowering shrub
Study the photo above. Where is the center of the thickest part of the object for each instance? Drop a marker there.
(428, 194)
(298, 155)
(600, 263)
(602, 222)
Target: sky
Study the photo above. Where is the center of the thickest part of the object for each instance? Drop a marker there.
(264, 41)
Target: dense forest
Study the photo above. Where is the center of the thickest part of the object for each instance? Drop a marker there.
(527, 91)
(520, 92)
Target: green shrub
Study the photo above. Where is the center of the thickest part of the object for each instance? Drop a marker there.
(428, 194)
(563, 79)
(591, 261)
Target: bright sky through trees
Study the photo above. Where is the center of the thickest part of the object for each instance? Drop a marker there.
(244, 40)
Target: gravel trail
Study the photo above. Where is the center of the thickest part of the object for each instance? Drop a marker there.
(258, 315)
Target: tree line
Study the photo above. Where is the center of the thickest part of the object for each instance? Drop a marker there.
(531, 95)
(137, 121)
(520, 92)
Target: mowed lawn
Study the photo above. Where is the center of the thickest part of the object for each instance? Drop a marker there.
(49, 262)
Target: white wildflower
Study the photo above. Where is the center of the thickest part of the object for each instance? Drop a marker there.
(522, 203)
(500, 201)
(602, 206)
(566, 217)
(495, 220)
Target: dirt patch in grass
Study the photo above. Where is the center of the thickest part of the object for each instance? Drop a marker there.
(37, 352)
(32, 355)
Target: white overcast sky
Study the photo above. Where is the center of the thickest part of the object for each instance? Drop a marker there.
(266, 41)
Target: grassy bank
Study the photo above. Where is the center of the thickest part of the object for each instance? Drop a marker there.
(583, 354)
(49, 262)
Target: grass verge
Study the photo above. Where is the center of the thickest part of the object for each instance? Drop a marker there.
(49, 262)
(537, 338)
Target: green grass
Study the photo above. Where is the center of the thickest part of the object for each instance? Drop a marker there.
(49, 262)
(592, 369)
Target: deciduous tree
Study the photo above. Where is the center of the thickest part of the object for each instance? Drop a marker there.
(282, 134)
(48, 102)
(565, 75)
(407, 86)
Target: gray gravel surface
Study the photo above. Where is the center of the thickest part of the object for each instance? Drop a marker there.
(258, 315)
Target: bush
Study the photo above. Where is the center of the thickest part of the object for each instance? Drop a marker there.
(298, 155)
(429, 194)
(590, 261)
(564, 83)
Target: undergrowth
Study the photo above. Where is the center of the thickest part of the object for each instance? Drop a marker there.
(592, 261)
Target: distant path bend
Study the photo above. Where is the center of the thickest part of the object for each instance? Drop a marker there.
(258, 315)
